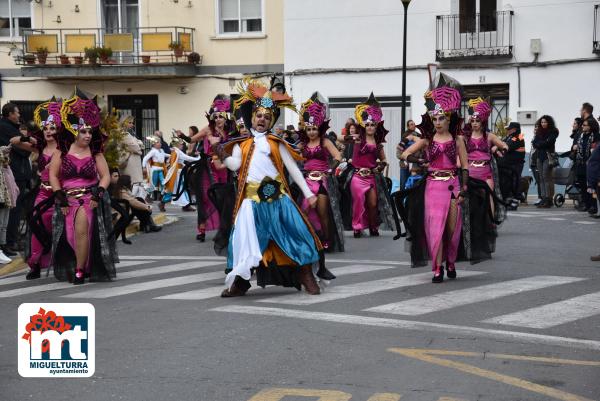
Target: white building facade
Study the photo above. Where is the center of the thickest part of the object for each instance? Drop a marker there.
(530, 57)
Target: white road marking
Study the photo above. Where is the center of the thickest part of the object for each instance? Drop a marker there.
(554, 219)
(211, 292)
(19, 279)
(38, 288)
(146, 286)
(457, 298)
(335, 293)
(130, 263)
(453, 330)
(584, 222)
(151, 271)
(163, 257)
(554, 314)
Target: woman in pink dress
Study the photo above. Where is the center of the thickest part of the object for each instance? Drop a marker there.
(79, 176)
(209, 169)
(47, 116)
(321, 157)
(370, 195)
(445, 186)
(481, 148)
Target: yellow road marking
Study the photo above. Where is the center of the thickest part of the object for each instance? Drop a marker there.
(277, 394)
(427, 356)
(511, 357)
(385, 397)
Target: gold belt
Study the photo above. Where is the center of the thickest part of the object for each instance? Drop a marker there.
(479, 163)
(442, 175)
(364, 172)
(157, 164)
(316, 175)
(252, 188)
(77, 192)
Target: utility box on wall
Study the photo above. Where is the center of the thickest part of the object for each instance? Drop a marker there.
(527, 117)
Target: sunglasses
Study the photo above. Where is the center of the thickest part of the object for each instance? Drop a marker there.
(311, 129)
(218, 116)
(370, 125)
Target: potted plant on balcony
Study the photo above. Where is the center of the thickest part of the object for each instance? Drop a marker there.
(42, 54)
(146, 59)
(177, 48)
(193, 58)
(91, 53)
(29, 59)
(64, 59)
(104, 53)
(77, 60)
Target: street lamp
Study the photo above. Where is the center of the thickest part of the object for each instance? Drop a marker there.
(405, 3)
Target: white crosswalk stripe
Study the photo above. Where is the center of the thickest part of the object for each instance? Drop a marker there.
(38, 288)
(554, 314)
(212, 292)
(457, 298)
(146, 286)
(363, 288)
(148, 274)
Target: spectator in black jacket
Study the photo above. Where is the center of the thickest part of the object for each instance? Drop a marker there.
(20, 166)
(593, 179)
(511, 165)
(544, 144)
(583, 149)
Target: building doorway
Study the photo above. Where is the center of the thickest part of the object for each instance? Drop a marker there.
(143, 108)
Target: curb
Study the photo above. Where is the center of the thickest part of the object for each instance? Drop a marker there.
(18, 263)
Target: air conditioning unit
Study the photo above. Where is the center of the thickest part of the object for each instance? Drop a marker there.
(527, 117)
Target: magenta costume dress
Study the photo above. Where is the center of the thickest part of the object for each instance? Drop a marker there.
(364, 160)
(479, 158)
(319, 179)
(442, 184)
(316, 165)
(79, 180)
(207, 212)
(40, 257)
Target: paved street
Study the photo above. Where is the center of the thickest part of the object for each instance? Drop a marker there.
(523, 326)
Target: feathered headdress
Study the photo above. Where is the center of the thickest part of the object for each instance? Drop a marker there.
(370, 111)
(80, 111)
(313, 111)
(444, 95)
(48, 113)
(480, 108)
(255, 95)
(220, 105)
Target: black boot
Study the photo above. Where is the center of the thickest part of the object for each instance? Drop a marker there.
(33, 273)
(438, 275)
(238, 288)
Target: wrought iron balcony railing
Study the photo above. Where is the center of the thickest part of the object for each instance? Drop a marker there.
(478, 36)
(597, 29)
(139, 46)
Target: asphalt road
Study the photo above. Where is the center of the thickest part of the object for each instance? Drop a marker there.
(523, 326)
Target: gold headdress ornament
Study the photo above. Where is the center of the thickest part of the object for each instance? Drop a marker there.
(152, 139)
(254, 95)
(48, 113)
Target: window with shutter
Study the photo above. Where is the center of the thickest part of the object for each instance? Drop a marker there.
(240, 16)
(15, 15)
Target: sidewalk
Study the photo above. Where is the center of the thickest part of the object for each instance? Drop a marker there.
(161, 219)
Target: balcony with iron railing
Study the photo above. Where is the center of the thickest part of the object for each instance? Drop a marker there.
(596, 42)
(460, 37)
(96, 52)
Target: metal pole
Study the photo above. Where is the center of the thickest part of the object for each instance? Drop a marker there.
(403, 121)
